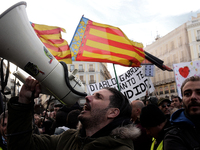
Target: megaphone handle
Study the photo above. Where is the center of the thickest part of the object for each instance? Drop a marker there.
(67, 81)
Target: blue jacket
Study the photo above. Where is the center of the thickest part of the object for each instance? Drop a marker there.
(179, 117)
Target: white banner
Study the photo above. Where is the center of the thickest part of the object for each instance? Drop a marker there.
(185, 70)
(133, 84)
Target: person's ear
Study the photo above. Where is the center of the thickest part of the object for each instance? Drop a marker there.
(113, 112)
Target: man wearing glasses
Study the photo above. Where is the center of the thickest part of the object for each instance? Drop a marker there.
(164, 106)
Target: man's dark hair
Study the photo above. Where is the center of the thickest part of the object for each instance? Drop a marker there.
(180, 100)
(61, 118)
(72, 118)
(192, 78)
(118, 100)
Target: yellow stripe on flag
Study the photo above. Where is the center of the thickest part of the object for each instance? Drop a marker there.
(56, 45)
(45, 27)
(51, 36)
(109, 36)
(59, 54)
(108, 57)
(104, 25)
(111, 48)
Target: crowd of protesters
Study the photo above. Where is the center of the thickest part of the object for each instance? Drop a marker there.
(161, 123)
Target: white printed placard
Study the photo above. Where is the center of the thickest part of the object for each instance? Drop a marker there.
(133, 84)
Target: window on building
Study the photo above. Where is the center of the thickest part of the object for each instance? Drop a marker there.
(161, 90)
(198, 35)
(172, 45)
(80, 67)
(198, 32)
(182, 56)
(172, 90)
(92, 79)
(81, 78)
(166, 49)
(199, 48)
(72, 68)
(180, 42)
(174, 59)
(91, 68)
(166, 90)
(157, 91)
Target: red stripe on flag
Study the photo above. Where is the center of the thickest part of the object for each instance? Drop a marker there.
(58, 58)
(59, 41)
(57, 49)
(48, 32)
(102, 52)
(114, 43)
(108, 30)
(82, 58)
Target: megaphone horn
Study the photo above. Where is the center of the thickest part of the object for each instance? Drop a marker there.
(20, 45)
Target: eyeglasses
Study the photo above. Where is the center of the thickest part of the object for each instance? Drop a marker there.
(163, 106)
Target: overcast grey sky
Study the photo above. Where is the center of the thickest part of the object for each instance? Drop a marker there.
(140, 20)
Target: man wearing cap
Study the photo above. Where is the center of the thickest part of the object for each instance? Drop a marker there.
(155, 123)
(164, 106)
(185, 134)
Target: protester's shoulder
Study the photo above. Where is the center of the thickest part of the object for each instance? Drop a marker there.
(173, 130)
(70, 132)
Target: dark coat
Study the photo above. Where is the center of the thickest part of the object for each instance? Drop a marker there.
(183, 134)
(108, 138)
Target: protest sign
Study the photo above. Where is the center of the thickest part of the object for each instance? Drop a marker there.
(183, 71)
(133, 84)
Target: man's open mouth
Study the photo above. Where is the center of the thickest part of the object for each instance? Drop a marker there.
(86, 107)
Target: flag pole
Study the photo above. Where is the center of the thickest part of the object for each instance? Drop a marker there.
(116, 78)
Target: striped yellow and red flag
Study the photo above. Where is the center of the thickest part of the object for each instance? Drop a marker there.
(51, 37)
(97, 42)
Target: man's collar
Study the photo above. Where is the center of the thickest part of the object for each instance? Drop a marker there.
(108, 128)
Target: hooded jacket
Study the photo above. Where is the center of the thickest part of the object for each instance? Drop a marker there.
(113, 136)
(183, 134)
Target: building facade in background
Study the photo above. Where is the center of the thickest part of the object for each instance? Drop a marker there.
(193, 28)
(172, 48)
(89, 73)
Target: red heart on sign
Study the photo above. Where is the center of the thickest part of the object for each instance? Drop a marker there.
(184, 71)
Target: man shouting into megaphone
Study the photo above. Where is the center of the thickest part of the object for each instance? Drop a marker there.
(105, 123)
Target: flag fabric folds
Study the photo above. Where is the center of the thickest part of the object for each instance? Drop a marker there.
(52, 39)
(97, 42)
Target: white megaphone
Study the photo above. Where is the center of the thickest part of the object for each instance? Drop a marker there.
(20, 45)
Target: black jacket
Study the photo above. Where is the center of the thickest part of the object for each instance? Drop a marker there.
(183, 135)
